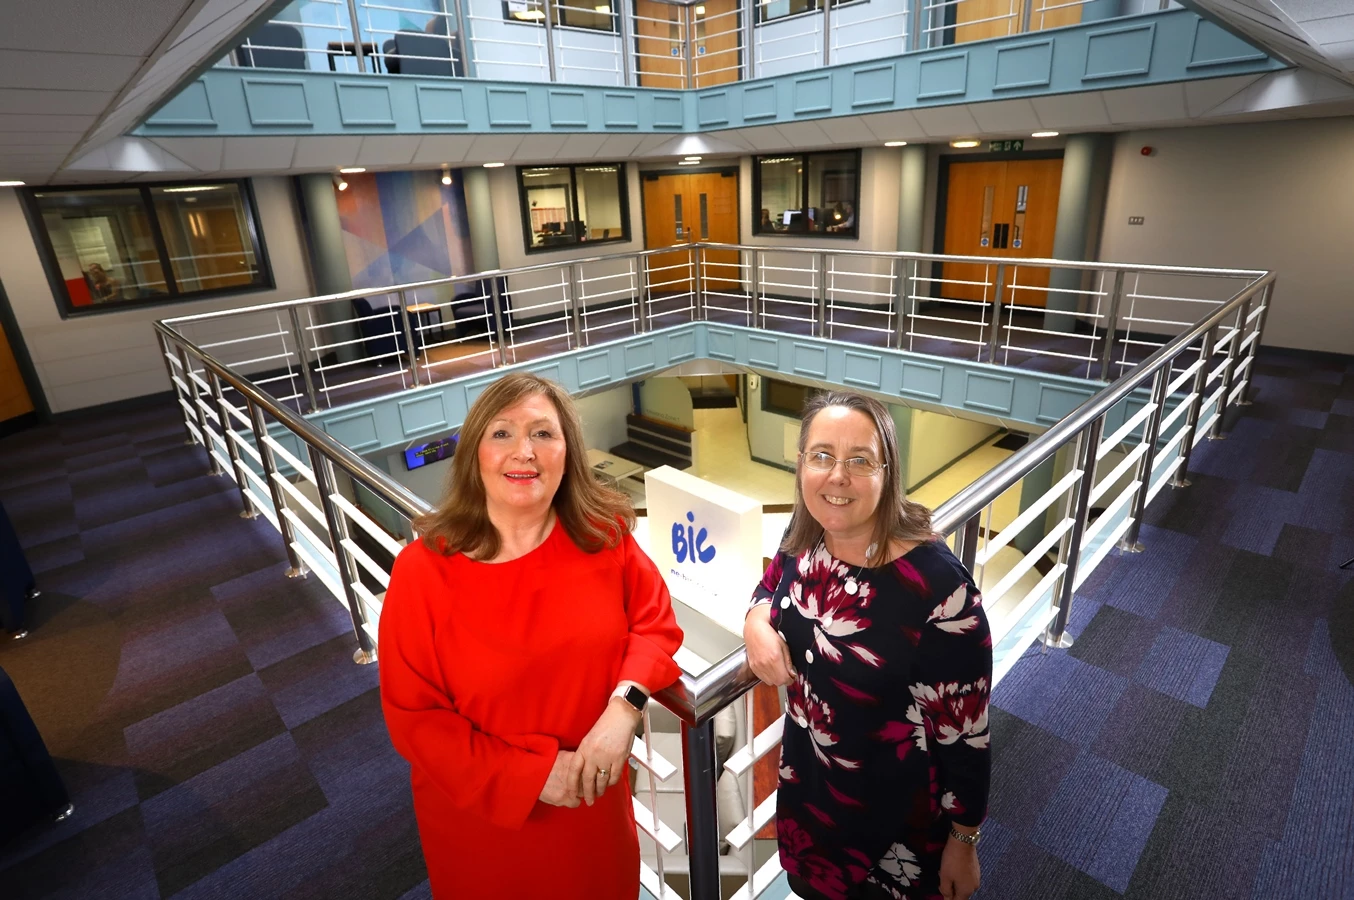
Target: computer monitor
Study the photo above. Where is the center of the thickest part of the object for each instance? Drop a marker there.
(791, 217)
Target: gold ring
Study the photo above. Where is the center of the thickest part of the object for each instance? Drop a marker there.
(601, 772)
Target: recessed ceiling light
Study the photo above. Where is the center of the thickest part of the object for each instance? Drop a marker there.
(353, 170)
(11, 184)
(187, 189)
(895, 143)
(1045, 134)
(689, 162)
(602, 8)
(964, 145)
(696, 158)
(493, 165)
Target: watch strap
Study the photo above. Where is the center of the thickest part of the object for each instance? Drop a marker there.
(970, 839)
(632, 695)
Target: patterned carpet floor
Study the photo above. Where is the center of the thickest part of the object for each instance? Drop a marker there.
(218, 741)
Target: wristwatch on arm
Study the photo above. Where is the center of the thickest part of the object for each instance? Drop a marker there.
(970, 839)
(631, 693)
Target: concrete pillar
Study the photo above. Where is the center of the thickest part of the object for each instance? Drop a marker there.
(479, 209)
(328, 260)
(1085, 159)
(912, 198)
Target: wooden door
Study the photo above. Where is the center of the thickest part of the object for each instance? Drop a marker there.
(658, 33)
(14, 399)
(976, 20)
(715, 42)
(679, 209)
(1005, 210)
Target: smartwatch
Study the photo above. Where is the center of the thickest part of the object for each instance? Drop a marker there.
(634, 696)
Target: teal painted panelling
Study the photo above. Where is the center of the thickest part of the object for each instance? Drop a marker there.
(1024, 65)
(594, 369)
(720, 344)
(990, 393)
(813, 94)
(356, 430)
(190, 107)
(863, 370)
(550, 373)
(712, 108)
(809, 359)
(1056, 401)
(639, 357)
(568, 109)
(1116, 52)
(508, 107)
(440, 105)
(364, 104)
(923, 381)
(943, 76)
(474, 388)
(759, 101)
(1213, 46)
(681, 346)
(669, 111)
(423, 414)
(620, 110)
(872, 86)
(276, 101)
(764, 351)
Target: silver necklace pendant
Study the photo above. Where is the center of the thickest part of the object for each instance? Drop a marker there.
(851, 586)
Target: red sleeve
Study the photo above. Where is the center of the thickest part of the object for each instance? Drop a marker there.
(499, 777)
(654, 635)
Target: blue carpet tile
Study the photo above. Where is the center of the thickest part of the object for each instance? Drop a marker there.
(218, 741)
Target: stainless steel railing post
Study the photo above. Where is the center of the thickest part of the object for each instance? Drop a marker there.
(1181, 479)
(907, 275)
(173, 386)
(966, 541)
(693, 263)
(1244, 399)
(827, 33)
(644, 302)
(1129, 543)
(916, 38)
(198, 411)
(1111, 325)
(749, 34)
(688, 25)
(820, 314)
(702, 814)
(494, 300)
(302, 358)
(410, 344)
(754, 298)
(338, 533)
(231, 450)
(295, 568)
(1057, 636)
(628, 74)
(357, 37)
(1229, 369)
(575, 302)
(994, 338)
(549, 38)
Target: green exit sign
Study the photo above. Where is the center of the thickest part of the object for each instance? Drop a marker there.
(1005, 146)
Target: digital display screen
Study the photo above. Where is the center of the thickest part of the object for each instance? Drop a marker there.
(422, 454)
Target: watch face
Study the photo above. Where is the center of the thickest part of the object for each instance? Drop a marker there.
(636, 698)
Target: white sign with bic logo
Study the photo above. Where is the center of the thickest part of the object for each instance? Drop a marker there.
(706, 541)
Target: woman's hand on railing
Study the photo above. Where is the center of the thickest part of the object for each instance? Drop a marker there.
(559, 790)
(768, 654)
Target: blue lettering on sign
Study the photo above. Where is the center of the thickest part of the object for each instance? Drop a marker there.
(688, 542)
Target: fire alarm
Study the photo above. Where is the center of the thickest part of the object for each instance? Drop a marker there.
(1148, 151)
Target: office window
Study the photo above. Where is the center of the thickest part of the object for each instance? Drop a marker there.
(594, 16)
(118, 247)
(807, 193)
(786, 398)
(773, 10)
(563, 206)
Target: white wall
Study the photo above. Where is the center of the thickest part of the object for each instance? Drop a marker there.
(939, 439)
(1274, 195)
(88, 360)
(604, 416)
(769, 433)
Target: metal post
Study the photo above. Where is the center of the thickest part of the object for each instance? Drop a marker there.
(1181, 479)
(966, 541)
(295, 568)
(231, 450)
(645, 310)
(198, 411)
(687, 27)
(697, 295)
(169, 368)
(821, 314)
(1265, 296)
(357, 37)
(1027, 9)
(1229, 369)
(1057, 633)
(301, 357)
(494, 300)
(628, 74)
(749, 34)
(702, 816)
(907, 274)
(549, 37)
(1111, 324)
(754, 297)
(575, 316)
(994, 339)
(1129, 543)
(338, 533)
(463, 38)
(916, 37)
(827, 33)
(410, 347)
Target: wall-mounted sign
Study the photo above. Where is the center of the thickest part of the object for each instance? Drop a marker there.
(1005, 146)
(422, 454)
(706, 541)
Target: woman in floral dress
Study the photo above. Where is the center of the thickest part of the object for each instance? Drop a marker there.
(879, 633)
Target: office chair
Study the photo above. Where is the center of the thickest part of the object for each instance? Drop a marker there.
(272, 46)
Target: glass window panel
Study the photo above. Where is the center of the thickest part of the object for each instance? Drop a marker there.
(549, 198)
(206, 231)
(781, 201)
(585, 14)
(104, 246)
(833, 182)
(599, 199)
(549, 195)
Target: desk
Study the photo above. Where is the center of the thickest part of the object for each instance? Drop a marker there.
(613, 467)
(422, 321)
(348, 48)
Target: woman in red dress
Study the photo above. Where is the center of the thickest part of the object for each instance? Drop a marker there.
(519, 640)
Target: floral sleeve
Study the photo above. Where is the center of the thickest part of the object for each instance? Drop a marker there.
(765, 591)
(950, 700)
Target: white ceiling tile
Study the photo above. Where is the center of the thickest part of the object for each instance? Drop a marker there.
(849, 130)
(1154, 103)
(804, 134)
(440, 149)
(54, 102)
(388, 149)
(652, 142)
(125, 27)
(1332, 30)
(75, 125)
(203, 154)
(493, 147)
(1343, 52)
(64, 71)
(580, 146)
(258, 154)
(1005, 116)
(1206, 93)
(327, 152)
(898, 125)
(1068, 111)
(946, 121)
(1303, 10)
(38, 138)
(765, 137)
(618, 146)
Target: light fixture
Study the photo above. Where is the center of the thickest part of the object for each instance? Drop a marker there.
(493, 165)
(1041, 134)
(193, 189)
(964, 145)
(700, 10)
(446, 175)
(340, 182)
(529, 14)
(353, 170)
(692, 158)
(895, 143)
(601, 8)
(689, 162)
(11, 184)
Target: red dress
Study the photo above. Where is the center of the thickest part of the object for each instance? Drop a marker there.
(487, 671)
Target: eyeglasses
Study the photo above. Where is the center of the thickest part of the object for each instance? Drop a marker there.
(858, 466)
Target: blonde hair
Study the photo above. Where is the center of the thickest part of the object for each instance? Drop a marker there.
(896, 517)
(594, 516)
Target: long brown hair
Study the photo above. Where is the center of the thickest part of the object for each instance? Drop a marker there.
(896, 517)
(591, 514)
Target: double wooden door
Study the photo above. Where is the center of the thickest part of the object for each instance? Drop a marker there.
(14, 399)
(976, 20)
(680, 209)
(662, 31)
(1006, 210)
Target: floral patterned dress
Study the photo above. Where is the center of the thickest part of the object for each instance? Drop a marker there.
(886, 737)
